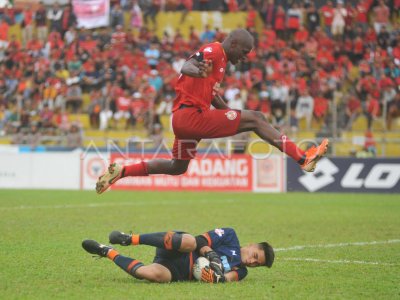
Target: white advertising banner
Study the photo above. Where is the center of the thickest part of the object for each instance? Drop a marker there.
(40, 170)
(269, 174)
(15, 170)
(92, 13)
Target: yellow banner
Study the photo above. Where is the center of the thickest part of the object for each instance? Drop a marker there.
(171, 21)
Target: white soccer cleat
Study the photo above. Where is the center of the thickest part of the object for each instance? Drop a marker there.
(113, 173)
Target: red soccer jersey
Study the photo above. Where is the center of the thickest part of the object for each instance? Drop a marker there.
(198, 92)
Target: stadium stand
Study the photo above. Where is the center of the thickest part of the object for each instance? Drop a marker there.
(319, 69)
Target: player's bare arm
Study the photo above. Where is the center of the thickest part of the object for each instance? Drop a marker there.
(219, 103)
(231, 276)
(198, 69)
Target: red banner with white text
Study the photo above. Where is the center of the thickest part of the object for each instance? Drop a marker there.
(211, 173)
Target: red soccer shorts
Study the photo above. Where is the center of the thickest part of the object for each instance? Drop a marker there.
(190, 125)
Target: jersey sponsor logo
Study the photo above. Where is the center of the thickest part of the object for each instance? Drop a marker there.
(208, 49)
(231, 115)
(219, 232)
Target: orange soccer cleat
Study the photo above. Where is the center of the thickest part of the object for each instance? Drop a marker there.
(113, 173)
(313, 155)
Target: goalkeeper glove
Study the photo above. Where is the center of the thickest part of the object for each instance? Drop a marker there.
(208, 275)
(215, 262)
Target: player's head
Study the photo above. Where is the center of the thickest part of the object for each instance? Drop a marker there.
(255, 255)
(237, 45)
(268, 253)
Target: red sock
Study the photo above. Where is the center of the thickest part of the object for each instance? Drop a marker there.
(139, 169)
(290, 148)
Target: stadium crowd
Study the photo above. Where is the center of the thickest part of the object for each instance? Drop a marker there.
(308, 62)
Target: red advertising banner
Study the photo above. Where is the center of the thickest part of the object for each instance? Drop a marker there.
(210, 173)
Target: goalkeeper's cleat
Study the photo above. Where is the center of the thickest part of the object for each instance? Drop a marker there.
(113, 173)
(95, 248)
(313, 155)
(118, 237)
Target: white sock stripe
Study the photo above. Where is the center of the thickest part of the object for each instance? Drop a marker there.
(294, 248)
(340, 261)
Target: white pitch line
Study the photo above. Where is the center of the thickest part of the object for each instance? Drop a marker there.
(294, 248)
(89, 205)
(341, 261)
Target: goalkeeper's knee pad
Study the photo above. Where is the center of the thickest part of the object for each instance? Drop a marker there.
(201, 241)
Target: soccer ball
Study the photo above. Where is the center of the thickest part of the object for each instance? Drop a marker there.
(199, 265)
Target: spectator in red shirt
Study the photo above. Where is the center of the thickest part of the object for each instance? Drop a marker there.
(358, 50)
(4, 27)
(325, 57)
(280, 21)
(353, 110)
(301, 36)
(34, 46)
(321, 106)
(251, 17)
(362, 9)
(268, 37)
(123, 105)
(194, 39)
(327, 12)
(370, 36)
(381, 16)
(372, 110)
(14, 43)
(232, 5)
(396, 6)
(46, 116)
(294, 18)
(118, 38)
(55, 41)
(351, 13)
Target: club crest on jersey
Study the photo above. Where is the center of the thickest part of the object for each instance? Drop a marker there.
(219, 231)
(231, 115)
(208, 49)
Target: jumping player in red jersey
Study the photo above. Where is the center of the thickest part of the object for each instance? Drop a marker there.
(193, 119)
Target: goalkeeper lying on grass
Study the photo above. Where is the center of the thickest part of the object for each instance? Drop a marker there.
(177, 251)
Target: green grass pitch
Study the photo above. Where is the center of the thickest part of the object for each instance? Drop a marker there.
(41, 233)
